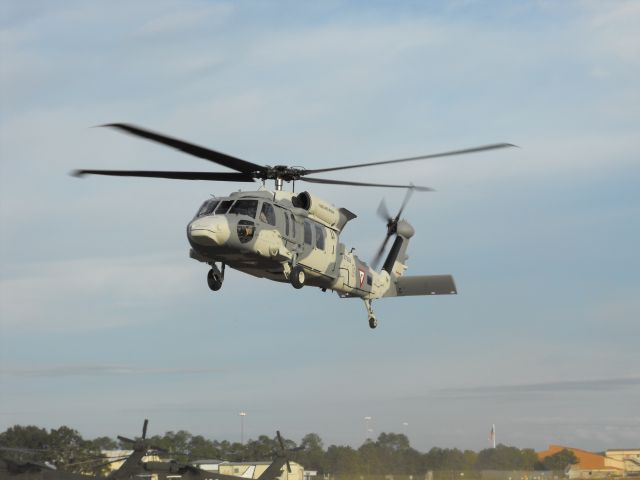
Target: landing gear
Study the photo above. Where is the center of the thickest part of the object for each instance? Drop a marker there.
(215, 277)
(297, 277)
(373, 322)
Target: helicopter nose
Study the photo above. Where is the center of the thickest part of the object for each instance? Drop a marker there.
(209, 231)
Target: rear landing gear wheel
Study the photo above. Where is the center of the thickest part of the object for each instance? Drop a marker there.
(297, 277)
(214, 280)
(373, 322)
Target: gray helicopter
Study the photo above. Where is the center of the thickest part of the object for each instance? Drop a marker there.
(294, 238)
(133, 465)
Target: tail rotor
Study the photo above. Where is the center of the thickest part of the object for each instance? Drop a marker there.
(392, 224)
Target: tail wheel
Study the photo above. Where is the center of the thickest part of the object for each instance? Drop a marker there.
(373, 323)
(297, 277)
(214, 281)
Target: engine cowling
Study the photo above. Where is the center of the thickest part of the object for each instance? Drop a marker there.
(318, 208)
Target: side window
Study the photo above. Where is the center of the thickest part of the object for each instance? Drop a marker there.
(307, 233)
(267, 214)
(223, 207)
(319, 237)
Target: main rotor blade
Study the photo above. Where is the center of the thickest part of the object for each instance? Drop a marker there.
(186, 147)
(280, 440)
(360, 184)
(482, 148)
(219, 176)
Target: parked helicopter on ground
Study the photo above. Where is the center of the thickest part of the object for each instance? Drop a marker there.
(133, 465)
(289, 237)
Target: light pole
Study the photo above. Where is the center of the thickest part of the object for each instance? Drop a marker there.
(367, 426)
(242, 415)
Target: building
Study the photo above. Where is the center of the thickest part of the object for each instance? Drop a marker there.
(612, 463)
(253, 470)
(117, 457)
(629, 458)
(249, 470)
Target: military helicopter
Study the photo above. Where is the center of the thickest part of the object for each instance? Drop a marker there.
(289, 237)
(133, 465)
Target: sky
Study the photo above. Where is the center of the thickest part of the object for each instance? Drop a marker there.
(105, 320)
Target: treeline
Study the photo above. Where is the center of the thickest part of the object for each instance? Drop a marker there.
(390, 453)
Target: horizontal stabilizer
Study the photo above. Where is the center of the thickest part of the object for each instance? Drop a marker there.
(425, 285)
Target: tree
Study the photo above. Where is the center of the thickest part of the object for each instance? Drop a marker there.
(63, 447)
(559, 461)
(342, 460)
(312, 454)
(502, 458)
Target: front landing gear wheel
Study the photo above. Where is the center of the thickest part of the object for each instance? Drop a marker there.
(214, 280)
(373, 323)
(297, 277)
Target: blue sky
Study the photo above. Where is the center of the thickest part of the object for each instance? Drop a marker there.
(105, 320)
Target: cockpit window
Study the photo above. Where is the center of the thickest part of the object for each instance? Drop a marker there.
(207, 207)
(245, 207)
(223, 207)
(267, 214)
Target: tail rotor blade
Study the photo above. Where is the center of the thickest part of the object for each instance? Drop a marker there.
(125, 439)
(404, 202)
(378, 256)
(288, 466)
(144, 429)
(383, 211)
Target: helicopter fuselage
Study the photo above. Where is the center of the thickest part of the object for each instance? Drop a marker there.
(267, 234)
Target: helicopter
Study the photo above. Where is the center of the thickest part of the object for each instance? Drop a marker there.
(134, 465)
(287, 237)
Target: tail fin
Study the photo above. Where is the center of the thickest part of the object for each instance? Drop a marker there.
(280, 460)
(394, 264)
(275, 469)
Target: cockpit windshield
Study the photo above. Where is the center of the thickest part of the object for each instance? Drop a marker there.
(245, 207)
(223, 207)
(207, 207)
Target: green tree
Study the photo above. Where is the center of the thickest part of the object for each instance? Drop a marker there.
(502, 458)
(104, 443)
(312, 454)
(63, 447)
(559, 461)
(341, 460)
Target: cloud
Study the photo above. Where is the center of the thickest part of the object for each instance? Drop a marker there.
(100, 370)
(91, 293)
(564, 386)
(184, 20)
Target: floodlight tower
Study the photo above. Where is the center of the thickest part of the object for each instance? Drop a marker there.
(242, 415)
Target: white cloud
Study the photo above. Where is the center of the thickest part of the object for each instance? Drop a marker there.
(91, 293)
(183, 18)
(99, 370)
